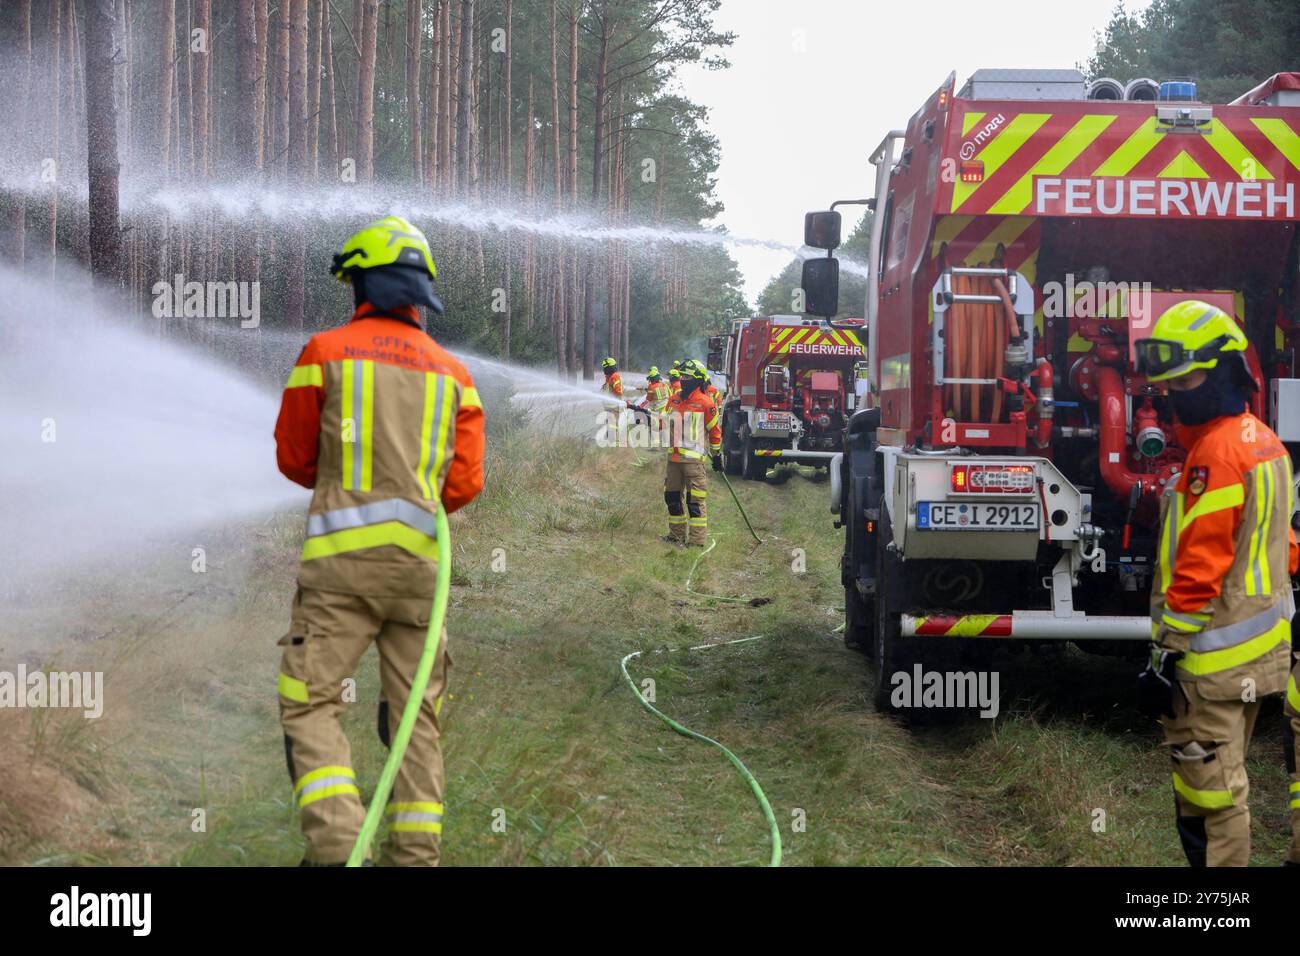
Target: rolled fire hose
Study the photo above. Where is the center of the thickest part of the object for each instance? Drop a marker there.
(414, 700)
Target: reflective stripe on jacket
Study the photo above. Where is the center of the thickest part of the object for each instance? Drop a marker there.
(691, 418)
(381, 422)
(1226, 550)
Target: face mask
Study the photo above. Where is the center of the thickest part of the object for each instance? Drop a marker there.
(1217, 396)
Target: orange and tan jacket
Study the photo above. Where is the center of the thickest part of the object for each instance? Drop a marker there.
(381, 422)
(656, 397)
(690, 418)
(613, 384)
(1222, 589)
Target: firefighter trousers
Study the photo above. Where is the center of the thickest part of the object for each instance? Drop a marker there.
(1291, 741)
(686, 492)
(1208, 740)
(328, 634)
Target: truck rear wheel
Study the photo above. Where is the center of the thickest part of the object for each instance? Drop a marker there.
(732, 461)
(895, 654)
(755, 467)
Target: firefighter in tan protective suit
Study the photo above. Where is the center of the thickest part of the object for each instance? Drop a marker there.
(1221, 602)
(695, 436)
(381, 423)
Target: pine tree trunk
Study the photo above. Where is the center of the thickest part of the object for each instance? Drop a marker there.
(314, 28)
(249, 41)
(263, 19)
(75, 64)
(464, 91)
(530, 276)
(414, 37)
(486, 117)
(53, 136)
(202, 68)
(365, 150)
(555, 111)
(446, 171)
(433, 106)
(280, 153)
(598, 108)
(331, 110)
(101, 136)
(507, 101)
(574, 12)
(576, 293)
(15, 238)
(299, 167)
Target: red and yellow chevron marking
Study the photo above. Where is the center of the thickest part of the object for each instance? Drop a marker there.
(974, 241)
(964, 625)
(1022, 152)
(768, 452)
(806, 340)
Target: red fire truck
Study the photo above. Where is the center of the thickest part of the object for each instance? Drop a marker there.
(1004, 482)
(790, 390)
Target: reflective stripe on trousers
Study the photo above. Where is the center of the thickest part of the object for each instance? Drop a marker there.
(414, 817)
(325, 782)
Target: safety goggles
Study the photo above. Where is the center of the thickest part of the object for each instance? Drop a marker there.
(1159, 356)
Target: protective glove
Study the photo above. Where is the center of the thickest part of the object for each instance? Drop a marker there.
(1157, 683)
(717, 462)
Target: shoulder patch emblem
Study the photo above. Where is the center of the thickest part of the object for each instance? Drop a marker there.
(1197, 479)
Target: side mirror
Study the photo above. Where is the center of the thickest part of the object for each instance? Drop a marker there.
(714, 360)
(717, 343)
(821, 230)
(821, 286)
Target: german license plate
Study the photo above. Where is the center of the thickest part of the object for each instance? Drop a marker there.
(975, 516)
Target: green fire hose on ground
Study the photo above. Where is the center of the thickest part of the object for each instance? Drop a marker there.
(759, 796)
(423, 671)
(410, 713)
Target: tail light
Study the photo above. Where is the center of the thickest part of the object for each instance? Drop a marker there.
(992, 479)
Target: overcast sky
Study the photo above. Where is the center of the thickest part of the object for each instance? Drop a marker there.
(814, 85)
